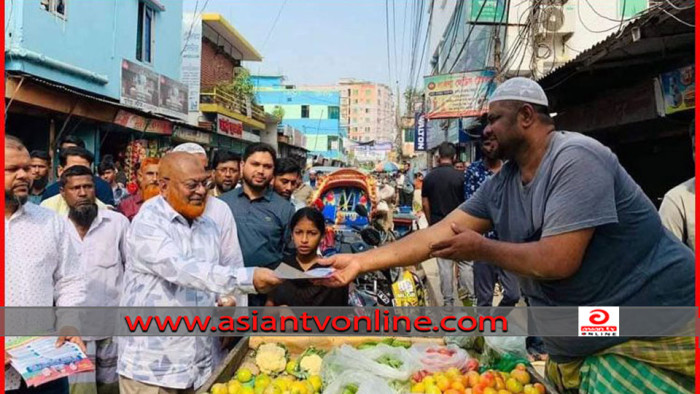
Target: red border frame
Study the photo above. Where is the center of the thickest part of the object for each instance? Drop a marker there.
(2, 232)
(697, 260)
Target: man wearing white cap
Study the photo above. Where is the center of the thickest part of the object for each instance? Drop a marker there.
(577, 230)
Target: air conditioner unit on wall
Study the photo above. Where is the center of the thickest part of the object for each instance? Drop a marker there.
(558, 17)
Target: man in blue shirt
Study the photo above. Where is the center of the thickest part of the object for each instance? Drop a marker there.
(262, 216)
(76, 155)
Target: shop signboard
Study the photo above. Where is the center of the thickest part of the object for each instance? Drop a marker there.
(191, 135)
(192, 58)
(485, 11)
(248, 136)
(458, 95)
(149, 91)
(678, 89)
(159, 126)
(143, 124)
(130, 120)
(421, 127)
(229, 126)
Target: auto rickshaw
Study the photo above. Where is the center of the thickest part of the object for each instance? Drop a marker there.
(348, 200)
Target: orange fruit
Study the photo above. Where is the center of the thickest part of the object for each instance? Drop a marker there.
(443, 384)
(521, 376)
(540, 388)
(457, 385)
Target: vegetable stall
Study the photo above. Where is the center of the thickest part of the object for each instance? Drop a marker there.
(375, 365)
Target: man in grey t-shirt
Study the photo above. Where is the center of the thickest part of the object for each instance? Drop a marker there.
(572, 224)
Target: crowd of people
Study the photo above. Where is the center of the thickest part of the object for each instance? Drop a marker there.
(194, 233)
(558, 212)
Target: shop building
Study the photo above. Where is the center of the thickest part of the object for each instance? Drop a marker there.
(635, 92)
(107, 72)
(211, 59)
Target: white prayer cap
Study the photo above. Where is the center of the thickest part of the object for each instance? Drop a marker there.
(520, 89)
(190, 147)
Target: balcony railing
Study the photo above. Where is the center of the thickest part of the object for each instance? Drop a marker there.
(232, 102)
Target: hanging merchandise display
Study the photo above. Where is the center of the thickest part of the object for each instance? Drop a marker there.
(136, 151)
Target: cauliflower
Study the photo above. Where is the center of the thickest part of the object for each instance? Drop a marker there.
(271, 358)
(310, 363)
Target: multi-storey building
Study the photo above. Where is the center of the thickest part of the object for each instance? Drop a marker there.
(367, 110)
(313, 110)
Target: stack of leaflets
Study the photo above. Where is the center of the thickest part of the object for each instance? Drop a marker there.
(39, 361)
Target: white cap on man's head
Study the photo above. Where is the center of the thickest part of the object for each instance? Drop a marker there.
(190, 147)
(520, 89)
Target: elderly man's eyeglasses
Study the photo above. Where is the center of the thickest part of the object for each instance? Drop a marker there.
(192, 185)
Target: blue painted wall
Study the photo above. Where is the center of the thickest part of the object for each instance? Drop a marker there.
(270, 92)
(95, 36)
(263, 81)
(298, 97)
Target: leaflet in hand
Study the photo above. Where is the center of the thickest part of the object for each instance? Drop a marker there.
(39, 361)
(285, 271)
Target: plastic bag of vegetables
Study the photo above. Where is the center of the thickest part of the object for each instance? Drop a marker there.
(389, 363)
(507, 345)
(436, 358)
(358, 382)
(504, 353)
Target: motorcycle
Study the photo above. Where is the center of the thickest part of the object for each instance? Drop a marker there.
(383, 287)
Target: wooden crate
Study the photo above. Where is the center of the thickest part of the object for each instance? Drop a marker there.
(296, 345)
(224, 371)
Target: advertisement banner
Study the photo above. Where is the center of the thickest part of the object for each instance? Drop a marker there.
(458, 95)
(173, 95)
(192, 59)
(150, 92)
(229, 126)
(420, 141)
(678, 89)
(191, 135)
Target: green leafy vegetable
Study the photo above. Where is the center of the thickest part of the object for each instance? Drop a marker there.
(390, 361)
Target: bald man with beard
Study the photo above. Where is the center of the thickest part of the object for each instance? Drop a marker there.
(176, 261)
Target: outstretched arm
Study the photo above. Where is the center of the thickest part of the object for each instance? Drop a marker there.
(408, 251)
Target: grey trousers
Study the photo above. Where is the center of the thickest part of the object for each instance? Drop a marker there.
(446, 270)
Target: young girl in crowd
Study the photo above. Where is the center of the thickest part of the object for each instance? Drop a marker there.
(308, 227)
